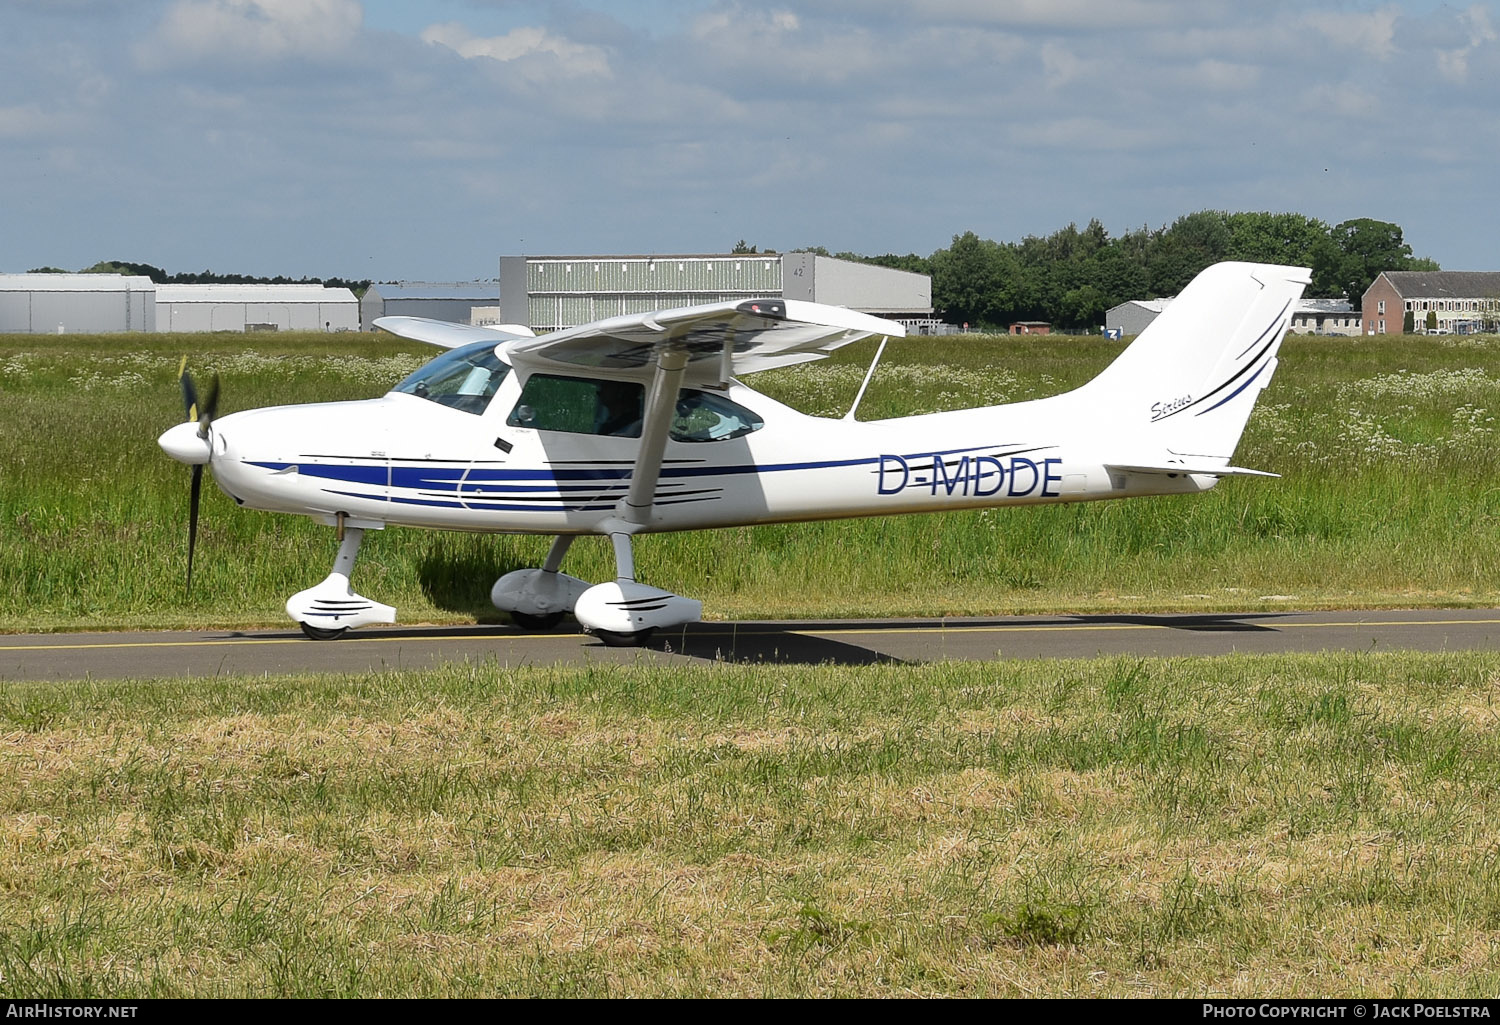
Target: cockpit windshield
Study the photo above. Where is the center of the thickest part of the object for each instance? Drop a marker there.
(465, 378)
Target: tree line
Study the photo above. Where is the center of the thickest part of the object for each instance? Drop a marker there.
(1072, 276)
(204, 277)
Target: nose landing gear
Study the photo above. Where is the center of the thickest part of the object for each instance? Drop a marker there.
(331, 609)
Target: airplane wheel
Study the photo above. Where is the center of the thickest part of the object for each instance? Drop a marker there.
(526, 621)
(318, 633)
(625, 640)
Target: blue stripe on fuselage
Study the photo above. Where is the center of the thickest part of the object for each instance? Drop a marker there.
(482, 482)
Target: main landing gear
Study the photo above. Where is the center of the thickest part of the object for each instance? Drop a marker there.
(621, 613)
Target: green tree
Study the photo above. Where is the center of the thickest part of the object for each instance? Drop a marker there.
(967, 280)
(156, 274)
(1356, 253)
(1193, 242)
(1286, 238)
(1083, 306)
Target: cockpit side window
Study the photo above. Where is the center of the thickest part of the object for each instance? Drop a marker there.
(703, 416)
(465, 378)
(614, 408)
(580, 405)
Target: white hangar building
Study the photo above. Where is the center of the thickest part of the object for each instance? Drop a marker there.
(548, 293)
(452, 300)
(108, 303)
(76, 303)
(255, 308)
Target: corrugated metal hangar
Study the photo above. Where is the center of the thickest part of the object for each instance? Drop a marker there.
(451, 301)
(545, 293)
(107, 303)
(548, 293)
(255, 308)
(76, 303)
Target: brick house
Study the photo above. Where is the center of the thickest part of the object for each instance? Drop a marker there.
(1459, 301)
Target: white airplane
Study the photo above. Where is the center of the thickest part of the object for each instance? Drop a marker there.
(639, 424)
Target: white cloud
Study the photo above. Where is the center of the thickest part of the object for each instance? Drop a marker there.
(1048, 14)
(23, 122)
(1371, 32)
(1226, 76)
(572, 59)
(1059, 65)
(254, 29)
(752, 26)
(1345, 100)
(744, 51)
(1454, 63)
(860, 124)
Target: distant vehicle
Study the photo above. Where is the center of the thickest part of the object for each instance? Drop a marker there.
(639, 424)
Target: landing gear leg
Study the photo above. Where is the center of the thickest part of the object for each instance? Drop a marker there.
(329, 610)
(624, 574)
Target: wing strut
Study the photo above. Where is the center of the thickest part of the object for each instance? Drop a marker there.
(656, 424)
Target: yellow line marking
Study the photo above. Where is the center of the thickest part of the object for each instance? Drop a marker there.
(729, 632)
(1073, 627)
(269, 640)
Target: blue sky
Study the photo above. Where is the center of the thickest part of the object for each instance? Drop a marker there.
(374, 138)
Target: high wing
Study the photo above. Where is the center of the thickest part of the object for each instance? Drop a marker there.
(449, 335)
(693, 345)
(720, 340)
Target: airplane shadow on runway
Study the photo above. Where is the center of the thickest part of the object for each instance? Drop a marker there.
(810, 642)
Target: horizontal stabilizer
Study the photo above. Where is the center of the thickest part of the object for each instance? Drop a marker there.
(1185, 468)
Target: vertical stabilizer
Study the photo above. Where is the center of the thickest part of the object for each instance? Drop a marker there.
(1187, 385)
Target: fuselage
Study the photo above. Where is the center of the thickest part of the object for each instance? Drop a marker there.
(405, 459)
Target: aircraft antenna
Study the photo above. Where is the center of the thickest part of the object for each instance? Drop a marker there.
(868, 374)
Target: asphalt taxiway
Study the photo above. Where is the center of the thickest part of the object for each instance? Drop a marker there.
(846, 642)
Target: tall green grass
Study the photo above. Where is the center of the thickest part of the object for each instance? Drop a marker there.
(1299, 826)
(1387, 447)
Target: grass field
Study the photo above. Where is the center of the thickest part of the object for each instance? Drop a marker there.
(1291, 826)
(1300, 826)
(1388, 448)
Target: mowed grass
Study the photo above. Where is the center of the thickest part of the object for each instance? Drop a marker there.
(1387, 446)
(1298, 826)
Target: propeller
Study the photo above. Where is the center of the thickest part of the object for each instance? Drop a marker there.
(200, 410)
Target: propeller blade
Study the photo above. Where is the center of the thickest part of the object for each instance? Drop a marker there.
(202, 409)
(193, 493)
(208, 407)
(189, 392)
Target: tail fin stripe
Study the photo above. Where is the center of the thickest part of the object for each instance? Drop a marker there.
(1232, 394)
(1268, 330)
(1243, 370)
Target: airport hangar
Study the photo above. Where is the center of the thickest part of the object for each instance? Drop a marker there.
(546, 293)
(109, 303)
(549, 293)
